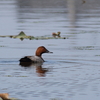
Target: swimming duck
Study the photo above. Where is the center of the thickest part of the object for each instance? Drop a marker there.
(4, 96)
(38, 56)
(56, 34)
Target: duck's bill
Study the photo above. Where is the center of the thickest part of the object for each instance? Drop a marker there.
(49, 52)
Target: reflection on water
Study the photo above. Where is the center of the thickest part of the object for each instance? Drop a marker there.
(35, 15)
(44, 17)
(39, 70)
(72, 13)
(73, 71)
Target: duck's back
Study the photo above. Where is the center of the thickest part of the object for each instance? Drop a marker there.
(34, 59)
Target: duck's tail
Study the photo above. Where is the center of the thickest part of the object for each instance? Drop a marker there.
(25, 59)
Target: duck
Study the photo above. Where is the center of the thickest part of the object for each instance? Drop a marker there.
(56, 34)
(4, 96)
(38, 56)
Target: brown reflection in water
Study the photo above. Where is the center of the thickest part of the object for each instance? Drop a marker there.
(39, 70)
(27, 8)
(37, 9)
(30, 9)
(71, 13)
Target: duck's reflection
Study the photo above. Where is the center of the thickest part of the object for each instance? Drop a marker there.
(39, 69)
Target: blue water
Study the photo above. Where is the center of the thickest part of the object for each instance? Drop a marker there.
(72, 71)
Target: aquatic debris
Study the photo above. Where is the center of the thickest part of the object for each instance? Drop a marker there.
(84, 48)
(5, 96)
(23, 36)
(14, 76)
(97, 55)
(2, 46)
(46, 38)
(56, 99)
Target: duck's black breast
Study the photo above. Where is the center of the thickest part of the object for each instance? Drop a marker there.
(25, 59)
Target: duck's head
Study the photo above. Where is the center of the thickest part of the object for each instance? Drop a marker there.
(58, 33)
(40, 50)
(4, 96)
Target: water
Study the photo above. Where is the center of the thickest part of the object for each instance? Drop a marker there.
(72, 71)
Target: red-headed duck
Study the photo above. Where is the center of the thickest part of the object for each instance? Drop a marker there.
(38, 56)
(56, 34)
(4, 96)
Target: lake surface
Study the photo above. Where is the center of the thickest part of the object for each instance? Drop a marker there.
(72, 72)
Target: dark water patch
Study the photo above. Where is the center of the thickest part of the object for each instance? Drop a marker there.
(72, 71)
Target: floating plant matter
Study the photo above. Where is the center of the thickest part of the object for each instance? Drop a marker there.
(23, 36)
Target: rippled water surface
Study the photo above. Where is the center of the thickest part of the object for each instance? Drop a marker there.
(72, 72)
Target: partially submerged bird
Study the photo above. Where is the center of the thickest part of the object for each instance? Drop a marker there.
(83, 1)
(56, 34)
(38, 56)
(4, 96)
